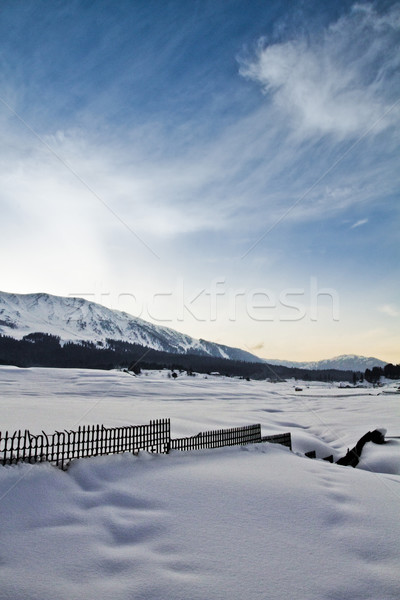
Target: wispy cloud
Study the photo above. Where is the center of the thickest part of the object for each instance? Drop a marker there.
(390, 310)
(245, 175)
(258, 346)
(359, 223)
(337, 82)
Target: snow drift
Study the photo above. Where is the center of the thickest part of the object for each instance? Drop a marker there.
(235, 523)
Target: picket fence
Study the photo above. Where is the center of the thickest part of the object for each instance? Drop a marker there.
(62, 447)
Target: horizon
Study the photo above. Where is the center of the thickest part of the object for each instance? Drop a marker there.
(352, 355)
(226, 170)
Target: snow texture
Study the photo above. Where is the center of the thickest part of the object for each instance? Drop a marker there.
(226, 524)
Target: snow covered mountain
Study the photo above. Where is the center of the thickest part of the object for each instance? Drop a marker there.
(345, 362)
(76, 319)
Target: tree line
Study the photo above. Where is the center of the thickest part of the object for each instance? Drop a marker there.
(45, 350)
(389, 371)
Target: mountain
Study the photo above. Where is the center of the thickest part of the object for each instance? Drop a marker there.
(345, 362)
(76, 319)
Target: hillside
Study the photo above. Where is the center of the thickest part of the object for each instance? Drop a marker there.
(345, 362)
(78, 320)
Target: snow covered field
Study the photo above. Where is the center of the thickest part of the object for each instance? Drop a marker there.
(236, 523)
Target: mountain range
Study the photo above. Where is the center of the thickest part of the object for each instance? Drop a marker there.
(344, 362)
(79, 320)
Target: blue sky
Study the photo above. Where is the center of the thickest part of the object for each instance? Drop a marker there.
(229, 169)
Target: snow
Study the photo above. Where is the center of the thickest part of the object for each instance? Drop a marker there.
(76, 319)
(226, 524)
(344, 362)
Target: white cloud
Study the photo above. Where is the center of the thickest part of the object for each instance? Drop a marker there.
(390, 310)
(359, 223)
(239, 181)
(338, 82)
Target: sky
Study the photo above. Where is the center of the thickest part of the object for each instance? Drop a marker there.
(229, 169)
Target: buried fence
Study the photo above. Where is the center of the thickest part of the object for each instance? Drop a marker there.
(285, 439)
(61, 447)
(237, 436)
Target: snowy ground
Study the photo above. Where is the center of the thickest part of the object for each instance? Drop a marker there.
(235, 523)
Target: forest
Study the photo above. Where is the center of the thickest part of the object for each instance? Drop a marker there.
(389, 371)
(44, 350)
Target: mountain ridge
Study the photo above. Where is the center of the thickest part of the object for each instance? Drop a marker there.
(343, 362)
(77, 319)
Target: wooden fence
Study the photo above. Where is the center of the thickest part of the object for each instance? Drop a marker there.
(61, 447)
(237, 436)
(285, 439)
